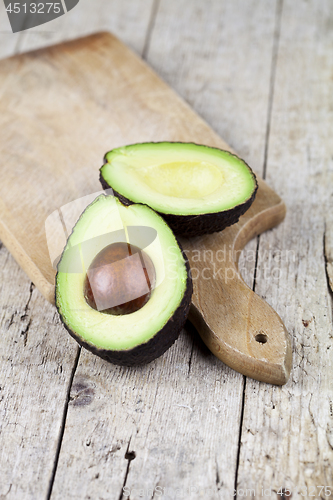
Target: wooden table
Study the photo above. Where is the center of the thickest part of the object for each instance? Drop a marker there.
(186, 426)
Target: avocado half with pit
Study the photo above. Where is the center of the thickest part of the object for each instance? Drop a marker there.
(197, 189)
(123, 285)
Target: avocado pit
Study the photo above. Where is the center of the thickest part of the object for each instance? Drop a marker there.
(120, 279)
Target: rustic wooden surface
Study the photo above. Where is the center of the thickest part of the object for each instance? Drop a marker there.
(122, 107)
(73, 426)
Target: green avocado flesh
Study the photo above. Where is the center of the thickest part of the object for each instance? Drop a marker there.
(107, 221)
(179, 178)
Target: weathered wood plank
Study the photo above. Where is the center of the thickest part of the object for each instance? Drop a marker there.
(287, 432)
(290, 429)
(37, 355)
(181, 413)
(37, 359)
(159, 411)
(128, 20)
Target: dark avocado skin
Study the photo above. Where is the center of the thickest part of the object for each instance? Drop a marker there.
(157, 345)
(196, 225)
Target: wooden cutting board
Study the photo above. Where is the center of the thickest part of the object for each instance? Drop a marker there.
(61, 109)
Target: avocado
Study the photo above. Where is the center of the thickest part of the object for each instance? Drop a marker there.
(123, 284)
(196, 189)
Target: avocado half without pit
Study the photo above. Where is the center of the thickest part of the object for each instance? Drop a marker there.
(123, 286)
(197, 189)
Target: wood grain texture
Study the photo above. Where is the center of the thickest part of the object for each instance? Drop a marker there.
(219, 59)
(36, 367)
(38, 359)
(36, 363)
(120, 104)
(185, 427)
(287, 434)
(163, 413)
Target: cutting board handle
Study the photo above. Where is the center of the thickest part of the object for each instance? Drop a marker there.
(238, 326)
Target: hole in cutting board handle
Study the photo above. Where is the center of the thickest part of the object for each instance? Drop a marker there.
(261, 338)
